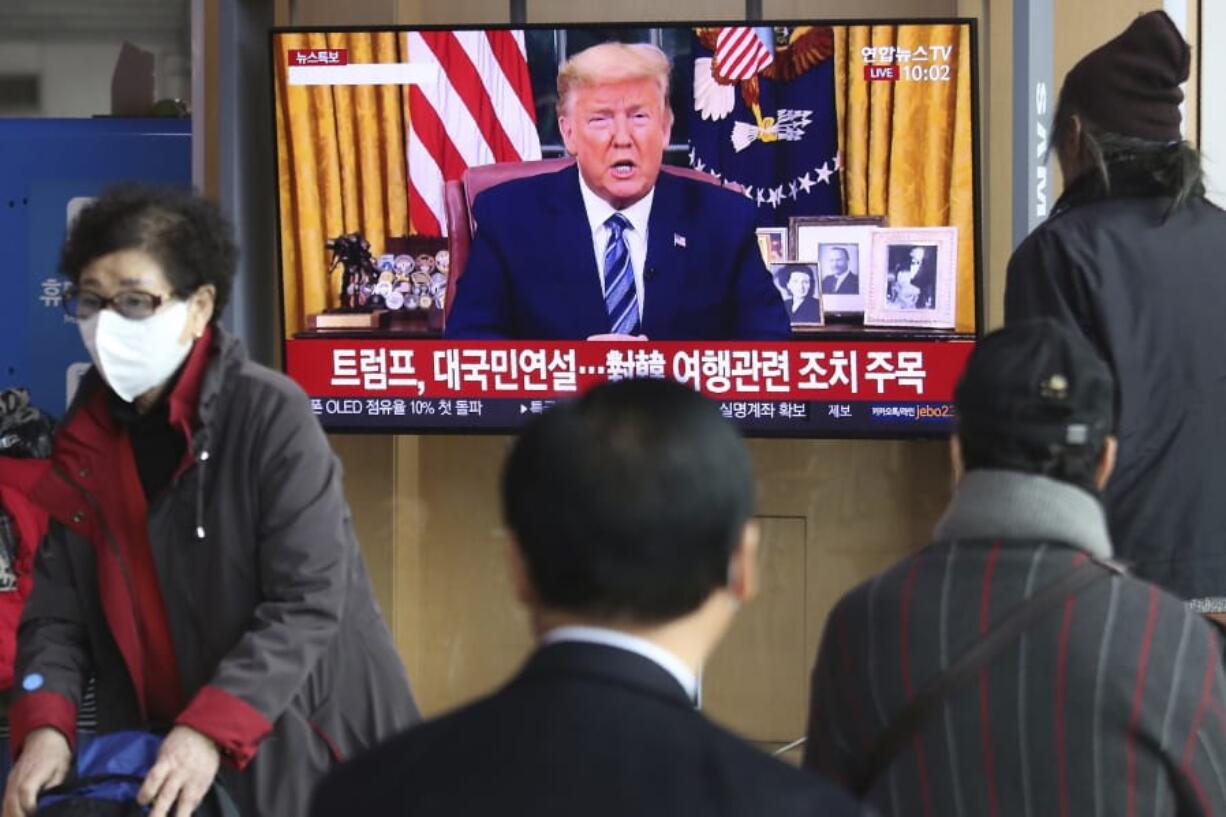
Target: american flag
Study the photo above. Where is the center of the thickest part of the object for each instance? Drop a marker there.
(740, 54)
(479, 110)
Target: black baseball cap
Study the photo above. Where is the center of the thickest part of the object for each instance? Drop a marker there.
(1040, 382)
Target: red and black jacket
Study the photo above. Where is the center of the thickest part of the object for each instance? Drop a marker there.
(235, 602)
(29, 525)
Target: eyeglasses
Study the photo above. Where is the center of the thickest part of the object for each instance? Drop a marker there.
(132, 304)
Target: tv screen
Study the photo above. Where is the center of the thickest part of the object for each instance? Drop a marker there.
(477, 223)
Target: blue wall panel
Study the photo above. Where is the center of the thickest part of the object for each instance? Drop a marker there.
(45, 164)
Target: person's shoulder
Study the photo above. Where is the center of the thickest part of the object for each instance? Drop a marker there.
(256, 394)
(375, 781)
(1051, 238)
(780, 788)
(1144, 598)
(709, 194)
(851, 615)
(884, 583)
(400, 751)
(421, 741)
(1119, 215)
(1207, 205)
(1162, 627)
(263, 384)
(1177, 635)
(390, 776)
(1202, 216)
(1076, 217)
(513, 193)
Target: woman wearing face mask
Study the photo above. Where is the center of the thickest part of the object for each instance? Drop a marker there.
(201, 564)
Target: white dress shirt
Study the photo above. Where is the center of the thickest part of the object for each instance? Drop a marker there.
(598, 212)
(624, 641)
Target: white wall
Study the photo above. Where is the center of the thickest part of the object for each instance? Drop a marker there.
(75, 75)
(1213, 85)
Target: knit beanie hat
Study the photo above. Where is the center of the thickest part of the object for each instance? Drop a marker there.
(1130, 85)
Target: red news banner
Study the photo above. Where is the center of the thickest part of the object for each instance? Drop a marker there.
(876, 371)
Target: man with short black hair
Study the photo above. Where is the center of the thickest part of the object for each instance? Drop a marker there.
(633, 546)
(1010, 668)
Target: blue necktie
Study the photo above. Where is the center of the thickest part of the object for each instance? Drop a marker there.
(619, 296)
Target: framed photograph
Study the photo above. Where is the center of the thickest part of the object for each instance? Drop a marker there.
(798, 286)
(840, 245)
(912, 278)
(773, 241)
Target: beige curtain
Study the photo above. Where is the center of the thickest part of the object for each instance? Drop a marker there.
(341, 166)
(907, 146)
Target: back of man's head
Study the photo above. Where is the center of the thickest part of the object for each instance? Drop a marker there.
(1035, 397)
(628, 504)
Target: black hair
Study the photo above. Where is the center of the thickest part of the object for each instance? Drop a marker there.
(629, 503)
(785, 272)
(1173, 169)
(185, 233)
(1074, 464)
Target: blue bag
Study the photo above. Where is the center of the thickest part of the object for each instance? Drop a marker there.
(107, 775)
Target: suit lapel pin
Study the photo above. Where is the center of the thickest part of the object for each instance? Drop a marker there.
(678, 240)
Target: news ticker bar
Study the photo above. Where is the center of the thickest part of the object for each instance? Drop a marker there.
(760, 417)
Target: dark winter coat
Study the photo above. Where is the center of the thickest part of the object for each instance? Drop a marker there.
(1149, 291)
(583, 729)
(27, 524)
(1109, 704)
(280, 648)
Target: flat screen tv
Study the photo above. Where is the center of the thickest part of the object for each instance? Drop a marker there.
(477, 223)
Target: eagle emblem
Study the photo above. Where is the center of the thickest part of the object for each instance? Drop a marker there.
(741, 56)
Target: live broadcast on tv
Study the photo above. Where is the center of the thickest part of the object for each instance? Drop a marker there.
(477, 223)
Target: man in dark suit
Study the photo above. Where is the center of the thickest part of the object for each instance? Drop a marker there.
(839, 279)
(632, 548)
(610, 246)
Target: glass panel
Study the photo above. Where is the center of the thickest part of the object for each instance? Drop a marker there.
(58, 57)
(678, 43)
(543, 48)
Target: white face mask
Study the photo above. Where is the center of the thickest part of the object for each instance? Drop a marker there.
(136, 356)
